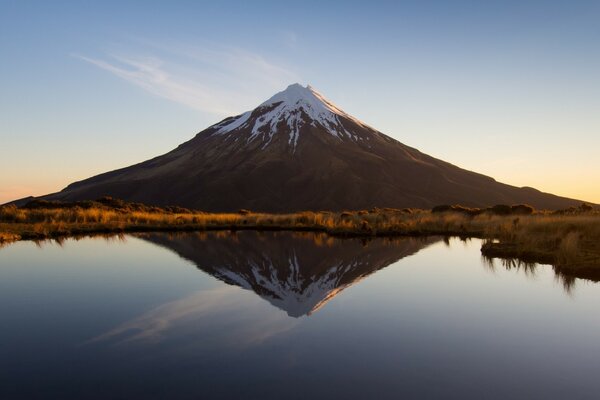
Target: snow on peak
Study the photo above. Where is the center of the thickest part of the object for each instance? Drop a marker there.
(292, 106)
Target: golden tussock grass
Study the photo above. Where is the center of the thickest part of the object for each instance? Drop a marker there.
(565, 238)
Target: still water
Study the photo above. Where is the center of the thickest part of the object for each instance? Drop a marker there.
(289, 316)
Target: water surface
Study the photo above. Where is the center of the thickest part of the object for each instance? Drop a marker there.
(283, 315)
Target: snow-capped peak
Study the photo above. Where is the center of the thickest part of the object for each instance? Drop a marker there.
(296, 106)
(297, 96)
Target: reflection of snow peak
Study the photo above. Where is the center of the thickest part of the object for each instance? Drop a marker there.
(297, 273)
(296, 106)
(294, 294)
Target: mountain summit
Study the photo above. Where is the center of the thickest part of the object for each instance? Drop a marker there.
(298, 151)
(295, 107)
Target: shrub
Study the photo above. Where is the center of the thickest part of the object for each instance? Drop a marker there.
(456, 209)
(345, 215)
(522, 209)
(467, 210)
(112, 203)
(564, 211)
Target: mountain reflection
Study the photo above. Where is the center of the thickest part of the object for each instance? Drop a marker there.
(296, 272)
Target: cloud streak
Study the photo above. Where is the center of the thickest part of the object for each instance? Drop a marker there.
(240, 317)
(213, 79)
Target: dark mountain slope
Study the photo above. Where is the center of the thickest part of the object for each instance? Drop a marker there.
(297, 151)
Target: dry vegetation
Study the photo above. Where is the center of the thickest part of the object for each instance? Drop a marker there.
(567, 238)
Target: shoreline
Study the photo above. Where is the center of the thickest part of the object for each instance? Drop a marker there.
(503, 251)
(569, 239)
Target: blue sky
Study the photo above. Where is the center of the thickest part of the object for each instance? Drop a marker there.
(509, 89)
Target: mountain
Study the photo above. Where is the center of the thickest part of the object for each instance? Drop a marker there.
(296, 272)
(298, 151)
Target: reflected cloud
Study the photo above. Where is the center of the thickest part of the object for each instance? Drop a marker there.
(237, 319)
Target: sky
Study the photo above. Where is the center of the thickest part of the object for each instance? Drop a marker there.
(510, 89)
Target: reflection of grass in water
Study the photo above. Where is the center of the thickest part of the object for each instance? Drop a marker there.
(530, 270)
(568, 238)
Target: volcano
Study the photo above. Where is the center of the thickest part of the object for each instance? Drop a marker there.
(298, 151)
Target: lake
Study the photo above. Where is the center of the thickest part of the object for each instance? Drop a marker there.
(282, 315)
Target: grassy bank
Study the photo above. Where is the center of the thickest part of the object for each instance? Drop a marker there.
(569, 238)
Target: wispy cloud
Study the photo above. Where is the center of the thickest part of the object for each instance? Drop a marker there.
(242, 318)
(214, 79)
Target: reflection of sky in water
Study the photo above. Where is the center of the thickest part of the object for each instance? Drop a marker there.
(206, 313)
(94, 318)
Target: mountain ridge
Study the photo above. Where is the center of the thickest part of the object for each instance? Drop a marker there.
(298, 151)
